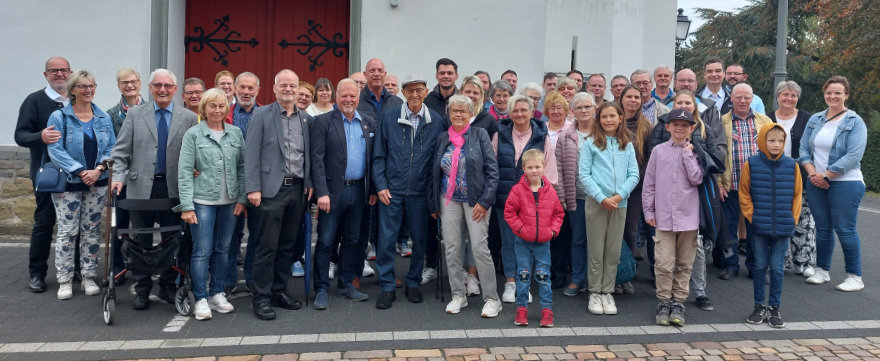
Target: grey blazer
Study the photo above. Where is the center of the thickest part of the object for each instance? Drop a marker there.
(134, 154)
(264, 151)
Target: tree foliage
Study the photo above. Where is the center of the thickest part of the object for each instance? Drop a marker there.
(825, 37)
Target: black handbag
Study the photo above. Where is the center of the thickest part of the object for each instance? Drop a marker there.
(50, 177)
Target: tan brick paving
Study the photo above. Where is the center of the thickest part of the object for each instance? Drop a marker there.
(852, 348)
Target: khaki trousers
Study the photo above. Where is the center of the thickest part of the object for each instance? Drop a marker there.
(673, 260)
(604, 239)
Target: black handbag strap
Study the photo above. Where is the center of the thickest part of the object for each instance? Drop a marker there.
(63, 142)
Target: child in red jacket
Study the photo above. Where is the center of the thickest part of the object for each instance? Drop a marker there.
(535, 215)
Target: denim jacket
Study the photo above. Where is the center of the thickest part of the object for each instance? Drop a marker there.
(213, 160)
(609, 171)
(72, 158)
(850, 140)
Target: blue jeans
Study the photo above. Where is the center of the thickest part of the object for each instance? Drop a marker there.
(235, 247)
(390, 218)
(528, 253)
(768, 251)
(508, 256)
(210, 236)
(347, 217)
(578, 222)
(730, 206)
(837, 209)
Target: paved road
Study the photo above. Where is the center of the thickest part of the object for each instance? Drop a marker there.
(39, 327)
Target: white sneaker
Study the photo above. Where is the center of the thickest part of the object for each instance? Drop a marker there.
(456, 304)
(595, 304)
(509, 294)
(428, 274)
(472, 285)
(491, 308)
(852, 283)
(368, 271)
(530, 297)
(219, 303)
(332, 270)
(809, 271)
(65, 290)
(90, 287)
(821, 276)
(608, 305)
(203, 311)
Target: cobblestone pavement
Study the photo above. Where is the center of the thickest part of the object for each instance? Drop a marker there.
(856, 348)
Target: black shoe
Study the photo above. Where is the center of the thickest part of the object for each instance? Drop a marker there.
(386, 299)
(285, 301)
(774, 318)
(413, 295)
(758, 316)
(728, 273)
(167, 293)
(263, 310)
(141, 301)
(228, 290)
(705, 304)
(37, 284)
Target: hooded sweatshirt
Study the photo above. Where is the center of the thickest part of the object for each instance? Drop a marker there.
(770, 189)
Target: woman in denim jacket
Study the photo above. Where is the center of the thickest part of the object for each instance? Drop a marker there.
(211, 200)
(87, 141)
(831, 153)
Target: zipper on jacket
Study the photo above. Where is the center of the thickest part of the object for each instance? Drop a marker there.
(772, 198)
(537, 218)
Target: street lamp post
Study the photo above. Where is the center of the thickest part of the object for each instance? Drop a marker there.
(682, 28)
(781, 46)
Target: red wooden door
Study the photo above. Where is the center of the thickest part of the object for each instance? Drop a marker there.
(265, 36)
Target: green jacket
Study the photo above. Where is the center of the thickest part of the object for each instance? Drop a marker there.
(213, 161)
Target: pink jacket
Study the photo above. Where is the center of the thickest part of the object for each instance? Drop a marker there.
(567, 167)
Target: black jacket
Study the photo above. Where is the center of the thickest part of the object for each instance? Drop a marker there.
(482, 169)
(437, 102)
(368, 110)
(329, 153)
(32, 118)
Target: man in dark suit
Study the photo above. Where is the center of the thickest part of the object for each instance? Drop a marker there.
(146, 154)
(31, 132)
(278, 182)
(342, 143)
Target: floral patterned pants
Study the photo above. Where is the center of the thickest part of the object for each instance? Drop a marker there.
(78, 214)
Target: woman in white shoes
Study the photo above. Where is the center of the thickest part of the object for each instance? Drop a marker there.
(831, 153)
(87, 138)
(211, 201)
(464, 179)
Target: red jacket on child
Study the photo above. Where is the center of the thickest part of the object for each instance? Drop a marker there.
(533, 221)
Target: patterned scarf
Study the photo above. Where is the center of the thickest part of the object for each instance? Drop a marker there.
(457, 140)
(123, 106)
(497, 113)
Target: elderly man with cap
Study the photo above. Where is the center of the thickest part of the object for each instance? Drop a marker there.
(402, 157)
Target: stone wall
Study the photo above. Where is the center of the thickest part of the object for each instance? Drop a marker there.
(16, 193)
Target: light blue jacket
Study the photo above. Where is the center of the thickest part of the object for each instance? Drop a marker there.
(850, 140)
(71, 158)
(214, 161)
(608, 172)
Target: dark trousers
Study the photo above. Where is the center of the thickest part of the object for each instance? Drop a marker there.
(41, 235)
(731, 215)
(123, 220)
(432, 247)
(251, 221)
(146, 219)
(390, 217)
(346, 217)
(560, 254)
(280, 219)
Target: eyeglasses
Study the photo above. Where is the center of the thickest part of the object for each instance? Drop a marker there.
(459, 112)
(193, 92)
(415, 90)
(286, 86)
(129, 82)
(162, 85)
(86, 86)
(583, 108)
(58, 70)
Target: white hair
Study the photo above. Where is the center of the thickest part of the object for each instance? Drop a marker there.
(162, 71)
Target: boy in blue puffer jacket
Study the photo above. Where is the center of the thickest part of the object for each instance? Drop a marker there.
(770, 198)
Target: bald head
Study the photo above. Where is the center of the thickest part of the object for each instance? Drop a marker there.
(56, 71)
(375, 73)
(686, 79)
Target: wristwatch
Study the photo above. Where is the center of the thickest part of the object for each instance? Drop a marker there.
(827, 180)
(100, 167)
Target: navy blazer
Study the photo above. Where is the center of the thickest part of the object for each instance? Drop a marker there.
(329, 153)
